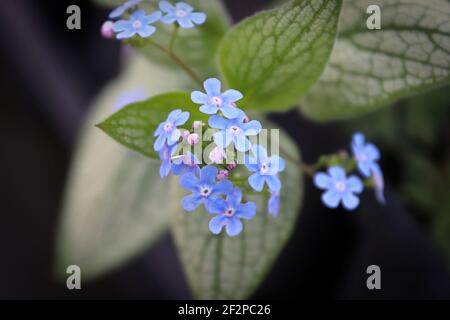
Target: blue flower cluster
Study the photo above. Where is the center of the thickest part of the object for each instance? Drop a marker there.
(141, 24)
(210, 183)
(342, 189)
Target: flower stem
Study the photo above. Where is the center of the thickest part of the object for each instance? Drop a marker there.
(306, 168)
(173, 38)
(179, 62)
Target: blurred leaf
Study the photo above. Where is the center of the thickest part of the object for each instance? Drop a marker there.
(275, 56)
(220, 267)
(115, 203)
(370, 69)
(133, 125)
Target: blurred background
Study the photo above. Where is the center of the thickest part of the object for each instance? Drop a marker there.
(50, 76)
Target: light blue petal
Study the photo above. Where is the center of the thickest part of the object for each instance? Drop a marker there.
(365, 168)
(331, 199)
(379, 183)
(121, 25)
(234, 226)
(218, 206)
(252, 128)
(221, 139)
(137, 15)
(185, 22)
(212, 87)
(229, 111)
(358, 140)
(159, 142)
(209, 109)
(350, 201)
(277, 164)
(184, 6)
(177, 169)
(273, 205)
(322, 181)
(217, 122)
(146, 31)
(173, 115)
(174, 136)
(165, 6)
(222, 187)
(198, 17)
(251, 163)
(246, 211)
(241, 143)
(260, 153)
(169, 19)
(199, 97)
(164, 169)
(126, 34)
(189, 182)
(117, 12)
(232, 95)
(337, 173)
(354, 184)
(159, 130)
(152, 18)
(274, 183)
(216, 224)
(208, 174)
(256, 181)
(234, 197)
(182, 118)
(191, 202)
(372, 152)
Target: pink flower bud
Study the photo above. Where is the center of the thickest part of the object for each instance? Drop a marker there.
(222, 175)
(185, 134)
(217, 155)
(231, 166)
(197, 124)
(107, 30)
(192, 139)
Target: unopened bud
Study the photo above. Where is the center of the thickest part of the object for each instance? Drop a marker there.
(185, 134)
(192, 139)
(107, 30)
(197, 124)
(222, 175)
(217, 155)
(231, 166)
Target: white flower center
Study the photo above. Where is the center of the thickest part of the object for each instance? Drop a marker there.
(264, 168)
(340, 186)
(205, 191)
(168, 126)
(235, 129)
(181, 13)
(137, 24)
(217, 101)
(229, 212)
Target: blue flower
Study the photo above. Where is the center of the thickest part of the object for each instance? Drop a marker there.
(265, 169)
(186, 163)
(120, 10)
(230, 212)
(273, 204)
(181, 13)
(167, 131)
(204, 189)
(214, 100)
(139, 23)
(339, 188)
(234, 130)
(377, 176)
(366, 155)
(165, 154)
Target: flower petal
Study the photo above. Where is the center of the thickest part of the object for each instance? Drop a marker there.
(182, 118)
(121, 25)
(209, 109)
(221, 139)
(234, 226)
(126, 34)
(223, 187)
(198, 17)
(234, 197)
(246, 211)
(256, 181)
(260, 153)
(173, 115)
(277, 164)
(232, 95)
(208, 174)
(365, 168)
(274, 183)
(217, 122)
(251, 163)
(372, 152)
(331, 199)
(164, 169)
(216, 224)
(337, 173)
(184, 6)
(242, 143)
(169, 19)
(146, 31)
(350, 201)
(358, 140)
(165, 6)
(173, 137)
(217, 207)
(191, 202)
(354, 184)
(252, 128)
(159, 142)
(190, 182)
(199, 97)
(185, 22)
(152, 18)
(212, 87)
(273, 205)
(137, 15)
(322, 181)
(229, 111)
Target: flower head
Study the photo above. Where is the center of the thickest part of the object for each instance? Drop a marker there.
(165, 154)
(377, 176)
(265, 169)
(339, 188)
(120, 10)
(204, 188)
(167, 131)
(186, 163)
(229, 213)
(366, 154)
(273, 204)
(214, 100)
(139, 23)
(181, 13)
(234, 130)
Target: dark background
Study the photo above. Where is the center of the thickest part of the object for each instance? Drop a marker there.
(48, 77)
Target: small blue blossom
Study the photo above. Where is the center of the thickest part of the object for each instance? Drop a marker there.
(339, 188)
(139, 23)
(378, 180)
(265, 169)
(204, 189)
(167, 131)
(366, 155)
(234, 130)
(229, 213)
(186, 163)
(165, 154)
(273, 204)
(120, 10)
(214, 101)
(181, 13)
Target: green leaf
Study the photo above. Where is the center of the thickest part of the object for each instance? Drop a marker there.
(133, 125)
(220, 267)
(370, 69)
(115, 205)
(197, 46)
(275, 56)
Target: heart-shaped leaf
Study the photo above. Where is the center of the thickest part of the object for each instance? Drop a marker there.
(370, 69)
(275, 56)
